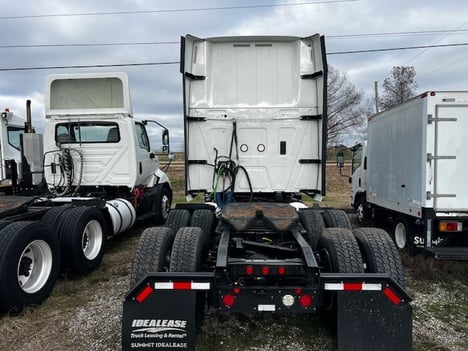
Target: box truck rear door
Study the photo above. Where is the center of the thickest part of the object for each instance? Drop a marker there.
(450, 158)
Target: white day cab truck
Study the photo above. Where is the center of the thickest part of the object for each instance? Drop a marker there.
(90, 178)
(255, 140)
(411, 174)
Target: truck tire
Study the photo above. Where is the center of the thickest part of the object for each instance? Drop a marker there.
(313, 224)
(177, 219)
(204, 219)
(152, 253)
(363, 212)
(336, 219)
(340, 251)
(380, 253)
(4, 223)
(82, 236)
(403, 235)
(54, 217)
(187, 250)
(29, 264)
(161, 203)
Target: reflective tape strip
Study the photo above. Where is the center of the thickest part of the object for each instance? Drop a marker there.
(164, 286)
(143, 295)
(334, 286)
(372, 287)
(181, 286)
(200, 286)
(353, 286)
(266, 308)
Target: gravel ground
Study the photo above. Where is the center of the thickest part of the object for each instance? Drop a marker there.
(84, 313)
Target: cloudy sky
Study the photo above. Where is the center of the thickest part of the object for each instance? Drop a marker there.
(58, 33)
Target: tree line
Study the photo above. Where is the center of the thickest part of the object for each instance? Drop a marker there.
(347, 110)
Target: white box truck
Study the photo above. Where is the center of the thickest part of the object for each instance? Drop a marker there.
(412, 171)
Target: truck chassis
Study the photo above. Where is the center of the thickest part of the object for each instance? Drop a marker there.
(259, 260)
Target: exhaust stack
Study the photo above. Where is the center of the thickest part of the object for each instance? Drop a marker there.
(28, 124)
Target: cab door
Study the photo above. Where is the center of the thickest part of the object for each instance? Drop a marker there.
(145, 164)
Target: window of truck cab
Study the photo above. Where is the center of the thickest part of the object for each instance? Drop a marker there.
(87, 132)
(14, 136)
(142, 136)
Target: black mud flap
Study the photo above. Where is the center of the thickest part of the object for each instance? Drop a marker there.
(372, 313)
(163, 312)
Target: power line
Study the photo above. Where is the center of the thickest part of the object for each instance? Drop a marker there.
(396, 49)
(177, 62)
(408, 33)
(173, 10)
(442, 67)
(90, 66)
(436, 42)
(88, 44)
(343, 36)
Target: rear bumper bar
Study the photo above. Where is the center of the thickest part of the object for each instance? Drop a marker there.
(163, 311)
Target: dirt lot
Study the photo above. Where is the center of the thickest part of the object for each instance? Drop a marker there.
(83, 312)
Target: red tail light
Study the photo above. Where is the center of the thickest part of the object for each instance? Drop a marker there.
(305, 300)
(445, 226)
(229, 300)
(281, 270)
(249, 270)
(265, 270)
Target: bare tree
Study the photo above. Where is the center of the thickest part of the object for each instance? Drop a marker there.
(346, 115)
(399, 87)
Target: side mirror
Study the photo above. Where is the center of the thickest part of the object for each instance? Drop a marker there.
(340, 159)
(165, 141)
(171, 157)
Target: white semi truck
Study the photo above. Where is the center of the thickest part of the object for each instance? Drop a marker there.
(255, 141)
(411, 174)
(90, 179)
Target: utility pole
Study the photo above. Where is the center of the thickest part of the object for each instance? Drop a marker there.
(376, 91)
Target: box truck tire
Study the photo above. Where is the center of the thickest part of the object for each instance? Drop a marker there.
(403, 234)
(152, 253)
(29, 265)
(363, 213)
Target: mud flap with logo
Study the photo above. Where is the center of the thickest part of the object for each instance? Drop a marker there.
(163, 312)
(372, 314)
